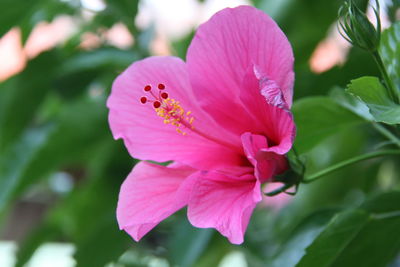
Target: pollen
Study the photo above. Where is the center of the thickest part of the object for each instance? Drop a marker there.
(173, 113)
(170, 110)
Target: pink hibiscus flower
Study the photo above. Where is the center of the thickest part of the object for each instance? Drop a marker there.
(222, 117)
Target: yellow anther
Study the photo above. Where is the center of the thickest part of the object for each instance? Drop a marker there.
(172, 113)
(180, 131)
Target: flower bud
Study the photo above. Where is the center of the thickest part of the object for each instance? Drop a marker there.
(357, 29)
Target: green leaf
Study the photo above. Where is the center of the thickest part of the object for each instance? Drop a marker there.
(390, 52)
(23, 94)
(370, 91)
(27, 13)
(351, 235)
(44, 10)
(86, 216)
(379, 239)
(119, 11)
(89, 214)
(317, 118)
(180, 46)
(105, 238)
(374, 95)
(392, 8)
(70, 138)
(350, 102)
(217, 249)
(188, 243)
(383, 203)
(301, 237)
(15, 161)
(337, 235)
(302, 27)
(107, 58)
(14, 12)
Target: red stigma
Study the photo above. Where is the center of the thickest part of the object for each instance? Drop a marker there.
(152, 97)
(143, 100)
(156, 104)
(164, 95)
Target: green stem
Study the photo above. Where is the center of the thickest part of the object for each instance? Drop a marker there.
(388, 81)
(348, 162)
(385, 132)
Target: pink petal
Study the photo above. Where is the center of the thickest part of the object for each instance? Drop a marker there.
(225, 47)
(266, 163)
(269, 89)
(144, 133)
(223, 202)
(263, 100)
(149, 195)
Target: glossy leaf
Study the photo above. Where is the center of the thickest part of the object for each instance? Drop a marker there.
(374, 95)
(334, 239)
(340, 96)
(351, 235)
(318, 118)
(301, 237)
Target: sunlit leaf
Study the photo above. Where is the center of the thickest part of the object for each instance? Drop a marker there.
(350, 102)
(375, 96)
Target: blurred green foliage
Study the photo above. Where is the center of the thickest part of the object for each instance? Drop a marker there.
(53, 119)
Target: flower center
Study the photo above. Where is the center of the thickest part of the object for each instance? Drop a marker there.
(168, 108)
(173, 113)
